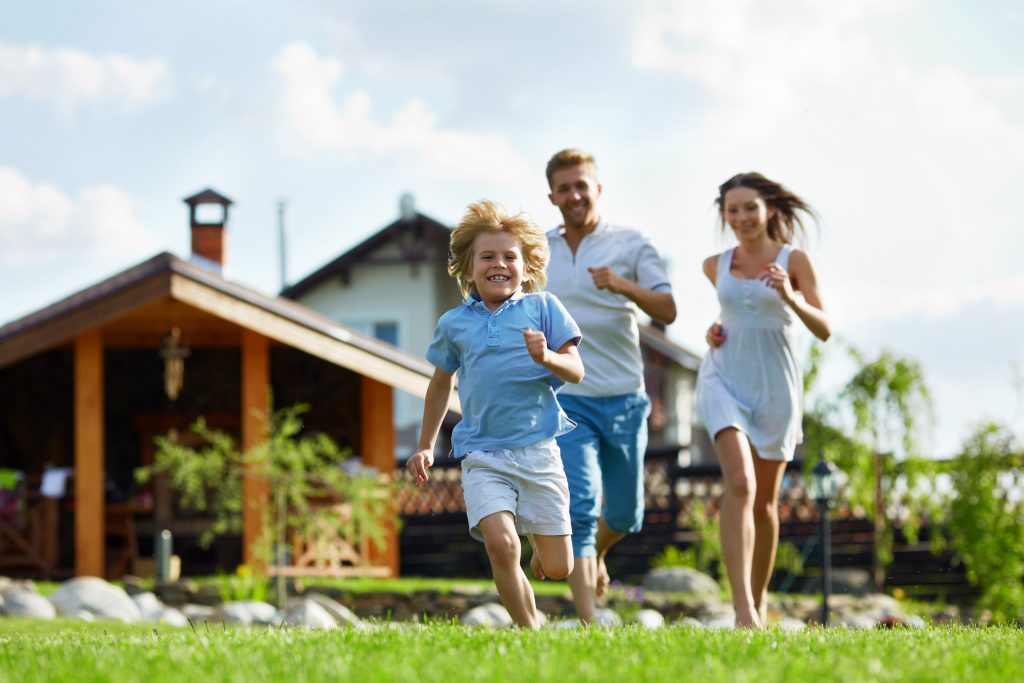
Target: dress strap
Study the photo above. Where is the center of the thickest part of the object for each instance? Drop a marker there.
(783, 258)
(724, 263)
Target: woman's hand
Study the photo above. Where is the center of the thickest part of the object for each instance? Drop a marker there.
(715, 335)
(776, 277)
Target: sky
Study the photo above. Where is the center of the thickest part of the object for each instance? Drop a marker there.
(900, 121)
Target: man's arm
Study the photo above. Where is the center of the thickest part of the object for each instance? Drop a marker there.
(661, 306)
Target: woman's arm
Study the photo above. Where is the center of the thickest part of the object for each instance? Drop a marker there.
(801, 278)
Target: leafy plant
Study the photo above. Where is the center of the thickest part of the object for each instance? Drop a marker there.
(705, 553)
(986, 523)
(316, 494)
(244, 584)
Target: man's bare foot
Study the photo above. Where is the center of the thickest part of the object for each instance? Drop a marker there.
(535, 566)
(601, 586)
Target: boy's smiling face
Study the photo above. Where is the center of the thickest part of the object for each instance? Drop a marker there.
(497, 269)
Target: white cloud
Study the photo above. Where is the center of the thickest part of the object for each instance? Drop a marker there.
(316, 122)
(70, 79)
(911, 166)
(39, 223)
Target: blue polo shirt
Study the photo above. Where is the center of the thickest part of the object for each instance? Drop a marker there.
(508, 401)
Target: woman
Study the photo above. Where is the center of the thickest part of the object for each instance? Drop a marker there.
(750, 386)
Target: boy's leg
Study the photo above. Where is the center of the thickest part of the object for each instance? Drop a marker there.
(623, 446)
(504, 550)
(553, 556)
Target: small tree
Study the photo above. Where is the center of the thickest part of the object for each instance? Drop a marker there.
(305, 473)
(986, 524)
(889, 399)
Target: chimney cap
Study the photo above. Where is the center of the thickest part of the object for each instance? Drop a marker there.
(208, 196)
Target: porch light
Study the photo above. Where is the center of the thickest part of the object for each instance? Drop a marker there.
(174, 353)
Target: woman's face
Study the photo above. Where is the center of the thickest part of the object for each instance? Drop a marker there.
(746, 212)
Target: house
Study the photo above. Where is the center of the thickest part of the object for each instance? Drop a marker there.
(87, 382)
(395, 285)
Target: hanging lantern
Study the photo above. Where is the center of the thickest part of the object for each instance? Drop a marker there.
(174, 353)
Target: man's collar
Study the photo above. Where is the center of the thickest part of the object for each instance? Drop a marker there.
(559, 231)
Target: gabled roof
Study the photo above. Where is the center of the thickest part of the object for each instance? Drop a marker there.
(657, 340)
(416, 233)
(166, 276)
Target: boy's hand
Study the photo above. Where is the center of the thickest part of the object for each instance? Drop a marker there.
(537, 345)
(418, 464)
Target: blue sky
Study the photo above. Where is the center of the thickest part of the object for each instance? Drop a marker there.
(902, 122)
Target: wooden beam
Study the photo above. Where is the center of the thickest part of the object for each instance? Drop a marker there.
(378, 449)
(89, 316)
(89, 518)
(330, 349)
(255, 421)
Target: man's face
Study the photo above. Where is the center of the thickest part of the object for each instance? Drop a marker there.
(574, 190)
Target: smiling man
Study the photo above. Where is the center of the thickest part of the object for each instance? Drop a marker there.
(602, 273)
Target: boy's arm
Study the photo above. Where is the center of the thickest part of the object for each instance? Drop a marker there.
(564, 364)
(435, 405)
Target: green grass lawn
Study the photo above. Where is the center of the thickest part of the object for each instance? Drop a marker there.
(33, 650)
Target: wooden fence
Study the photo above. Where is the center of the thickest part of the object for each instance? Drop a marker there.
(435, 540)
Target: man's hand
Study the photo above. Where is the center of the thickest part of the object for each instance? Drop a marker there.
(537, 345)
(606, 278)
(418, 464)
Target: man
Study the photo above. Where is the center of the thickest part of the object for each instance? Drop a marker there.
(602, 273)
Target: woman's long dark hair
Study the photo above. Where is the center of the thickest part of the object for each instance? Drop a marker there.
(787, 222)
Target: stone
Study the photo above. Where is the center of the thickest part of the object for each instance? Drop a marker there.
(687, 622)
(603, 616)
(24, 585)
(23, 603)
(845, 581)
(170, 616)
(342, 615)
(649, 619)
(308, 613)
(489, 614)
(199, 614)
(148, 604)
(249, 613)
(680, 580)
(790, 624)
(104, 600)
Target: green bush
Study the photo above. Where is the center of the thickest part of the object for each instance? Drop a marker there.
(986, 524)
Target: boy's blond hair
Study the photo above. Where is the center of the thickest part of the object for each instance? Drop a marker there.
(568, 158)
(488, 216)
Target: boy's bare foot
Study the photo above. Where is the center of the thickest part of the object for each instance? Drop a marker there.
(603, 580)
(536, 568)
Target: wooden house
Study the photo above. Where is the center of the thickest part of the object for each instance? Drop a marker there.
(86, 383)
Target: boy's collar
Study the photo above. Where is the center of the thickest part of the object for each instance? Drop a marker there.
(474, 297)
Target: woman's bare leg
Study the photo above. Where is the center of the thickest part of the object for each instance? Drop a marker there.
(768, 477)
(737, 520)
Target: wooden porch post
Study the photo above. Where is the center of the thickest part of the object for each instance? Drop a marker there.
(378, 446)
(255, 420)
(90, 536)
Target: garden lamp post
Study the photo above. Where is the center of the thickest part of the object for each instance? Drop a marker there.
(824, 486)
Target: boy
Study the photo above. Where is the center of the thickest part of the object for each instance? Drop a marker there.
(513, 346)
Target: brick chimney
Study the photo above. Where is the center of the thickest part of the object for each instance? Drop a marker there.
(209, 236)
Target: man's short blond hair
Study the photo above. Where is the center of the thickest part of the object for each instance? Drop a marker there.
(489, 216)
(568, 158)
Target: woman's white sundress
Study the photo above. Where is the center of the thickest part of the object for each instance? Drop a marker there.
(752, 381)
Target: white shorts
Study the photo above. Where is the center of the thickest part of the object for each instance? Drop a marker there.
(529, 482)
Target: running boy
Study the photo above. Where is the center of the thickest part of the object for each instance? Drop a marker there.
(513, 346)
